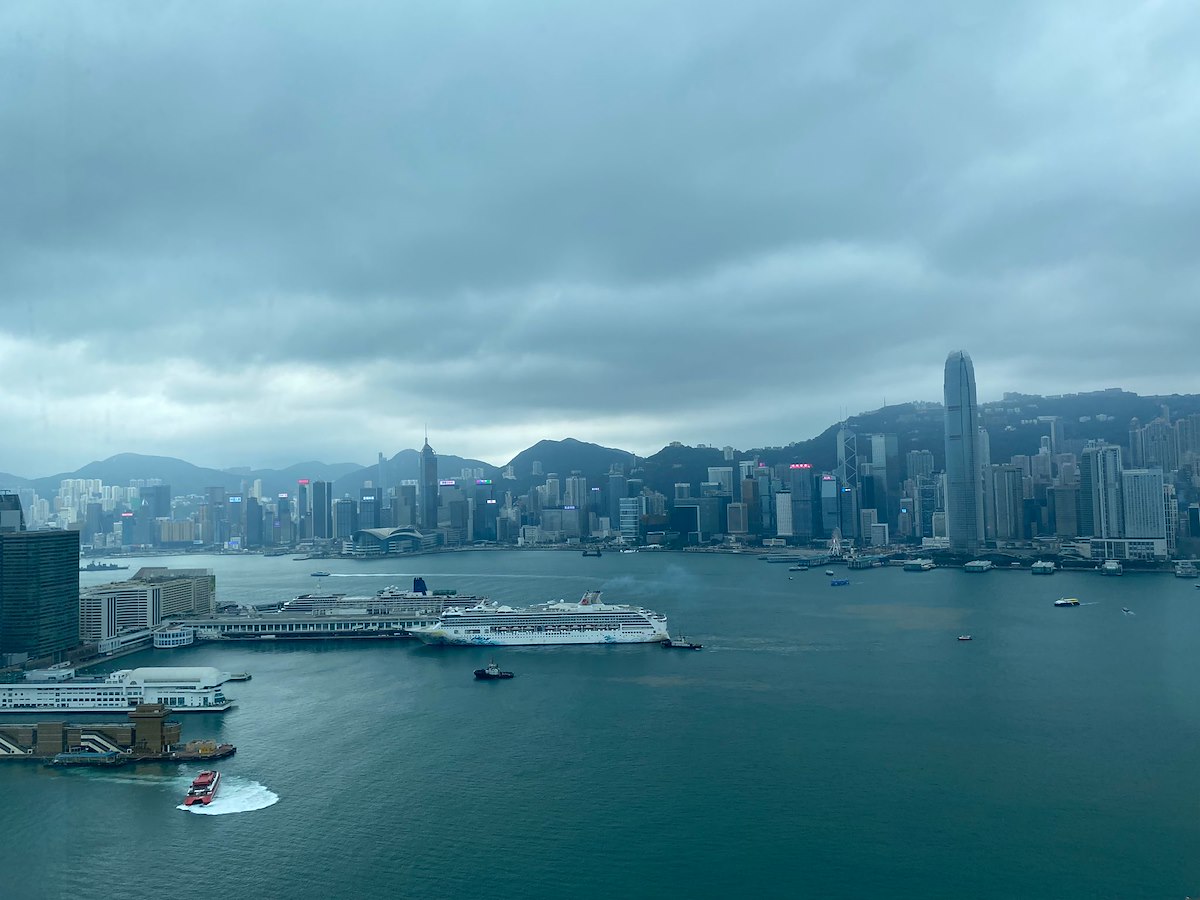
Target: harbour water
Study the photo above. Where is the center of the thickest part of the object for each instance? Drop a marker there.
(827, 742)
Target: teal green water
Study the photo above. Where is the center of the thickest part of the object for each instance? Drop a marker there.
(828, 742)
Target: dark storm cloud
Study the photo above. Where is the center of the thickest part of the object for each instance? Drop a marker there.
(632, 223)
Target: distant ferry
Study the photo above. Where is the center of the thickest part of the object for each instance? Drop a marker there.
(979, 565)
(587, 622)
(102, 567)
(203, 789)
(1186, 570)
(320, 574)
(1066, 601)
(1111, 567)
(1043, 568)
(918, 565)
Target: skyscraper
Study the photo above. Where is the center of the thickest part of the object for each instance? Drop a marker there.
(429, 487)
(322, 510)
(1101, 509)
(12, 517)
(964, 482)
(39, 593)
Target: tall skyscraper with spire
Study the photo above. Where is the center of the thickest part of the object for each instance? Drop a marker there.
(429, 487)
(964, 481)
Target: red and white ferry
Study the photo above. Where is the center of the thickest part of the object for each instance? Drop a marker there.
(203, 789)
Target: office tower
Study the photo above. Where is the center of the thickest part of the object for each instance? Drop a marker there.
(345, 518)
(1100, 507)
(12, 518)
(39, 593)
(322, 510)
(370, 506)
(575, 491)
(255, 528)
(303, 510)
(964, 484)
(428, 488)
(1136, 457)
(1057, 441)
(722, 475)
(1063, 501)
(617, 491)
(783, 516)
(283, 527)
(1143, 504)
(1160, 446)
(918, 464)
(829, 505)
(800, 487)
(1007, 500)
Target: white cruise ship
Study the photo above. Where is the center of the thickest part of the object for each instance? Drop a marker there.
(587, 622)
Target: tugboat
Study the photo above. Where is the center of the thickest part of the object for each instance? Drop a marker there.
(491, 672)
(203, 789)
(680, 644)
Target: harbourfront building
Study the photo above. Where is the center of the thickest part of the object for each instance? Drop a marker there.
(964, 481)
(144, 601)
(181, 689)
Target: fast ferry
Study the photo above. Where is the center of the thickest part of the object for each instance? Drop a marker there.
(203, 789)
(587, 622)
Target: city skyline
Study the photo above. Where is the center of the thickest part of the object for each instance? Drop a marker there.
(694, 219)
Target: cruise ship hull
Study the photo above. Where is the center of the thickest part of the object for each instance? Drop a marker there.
(446, 637)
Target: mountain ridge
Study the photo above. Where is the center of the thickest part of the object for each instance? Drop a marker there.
(1012, 424)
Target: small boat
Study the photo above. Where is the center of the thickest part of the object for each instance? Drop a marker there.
(203, 789)
(491, 672)
(680, 643)
(829, 571)
(839, 582)
(1126, 610)
(320, 574)
(1066, 601)
(240, 676)
(965, 637)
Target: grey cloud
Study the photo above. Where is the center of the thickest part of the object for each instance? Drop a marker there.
(718, 217)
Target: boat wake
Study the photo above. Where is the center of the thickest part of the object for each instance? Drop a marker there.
(236, 795)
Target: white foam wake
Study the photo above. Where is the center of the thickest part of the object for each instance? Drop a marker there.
(234, 796)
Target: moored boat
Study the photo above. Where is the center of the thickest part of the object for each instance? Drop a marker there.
(587, 622)
(203, 789)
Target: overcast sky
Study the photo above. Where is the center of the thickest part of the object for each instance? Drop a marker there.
(253, 233)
